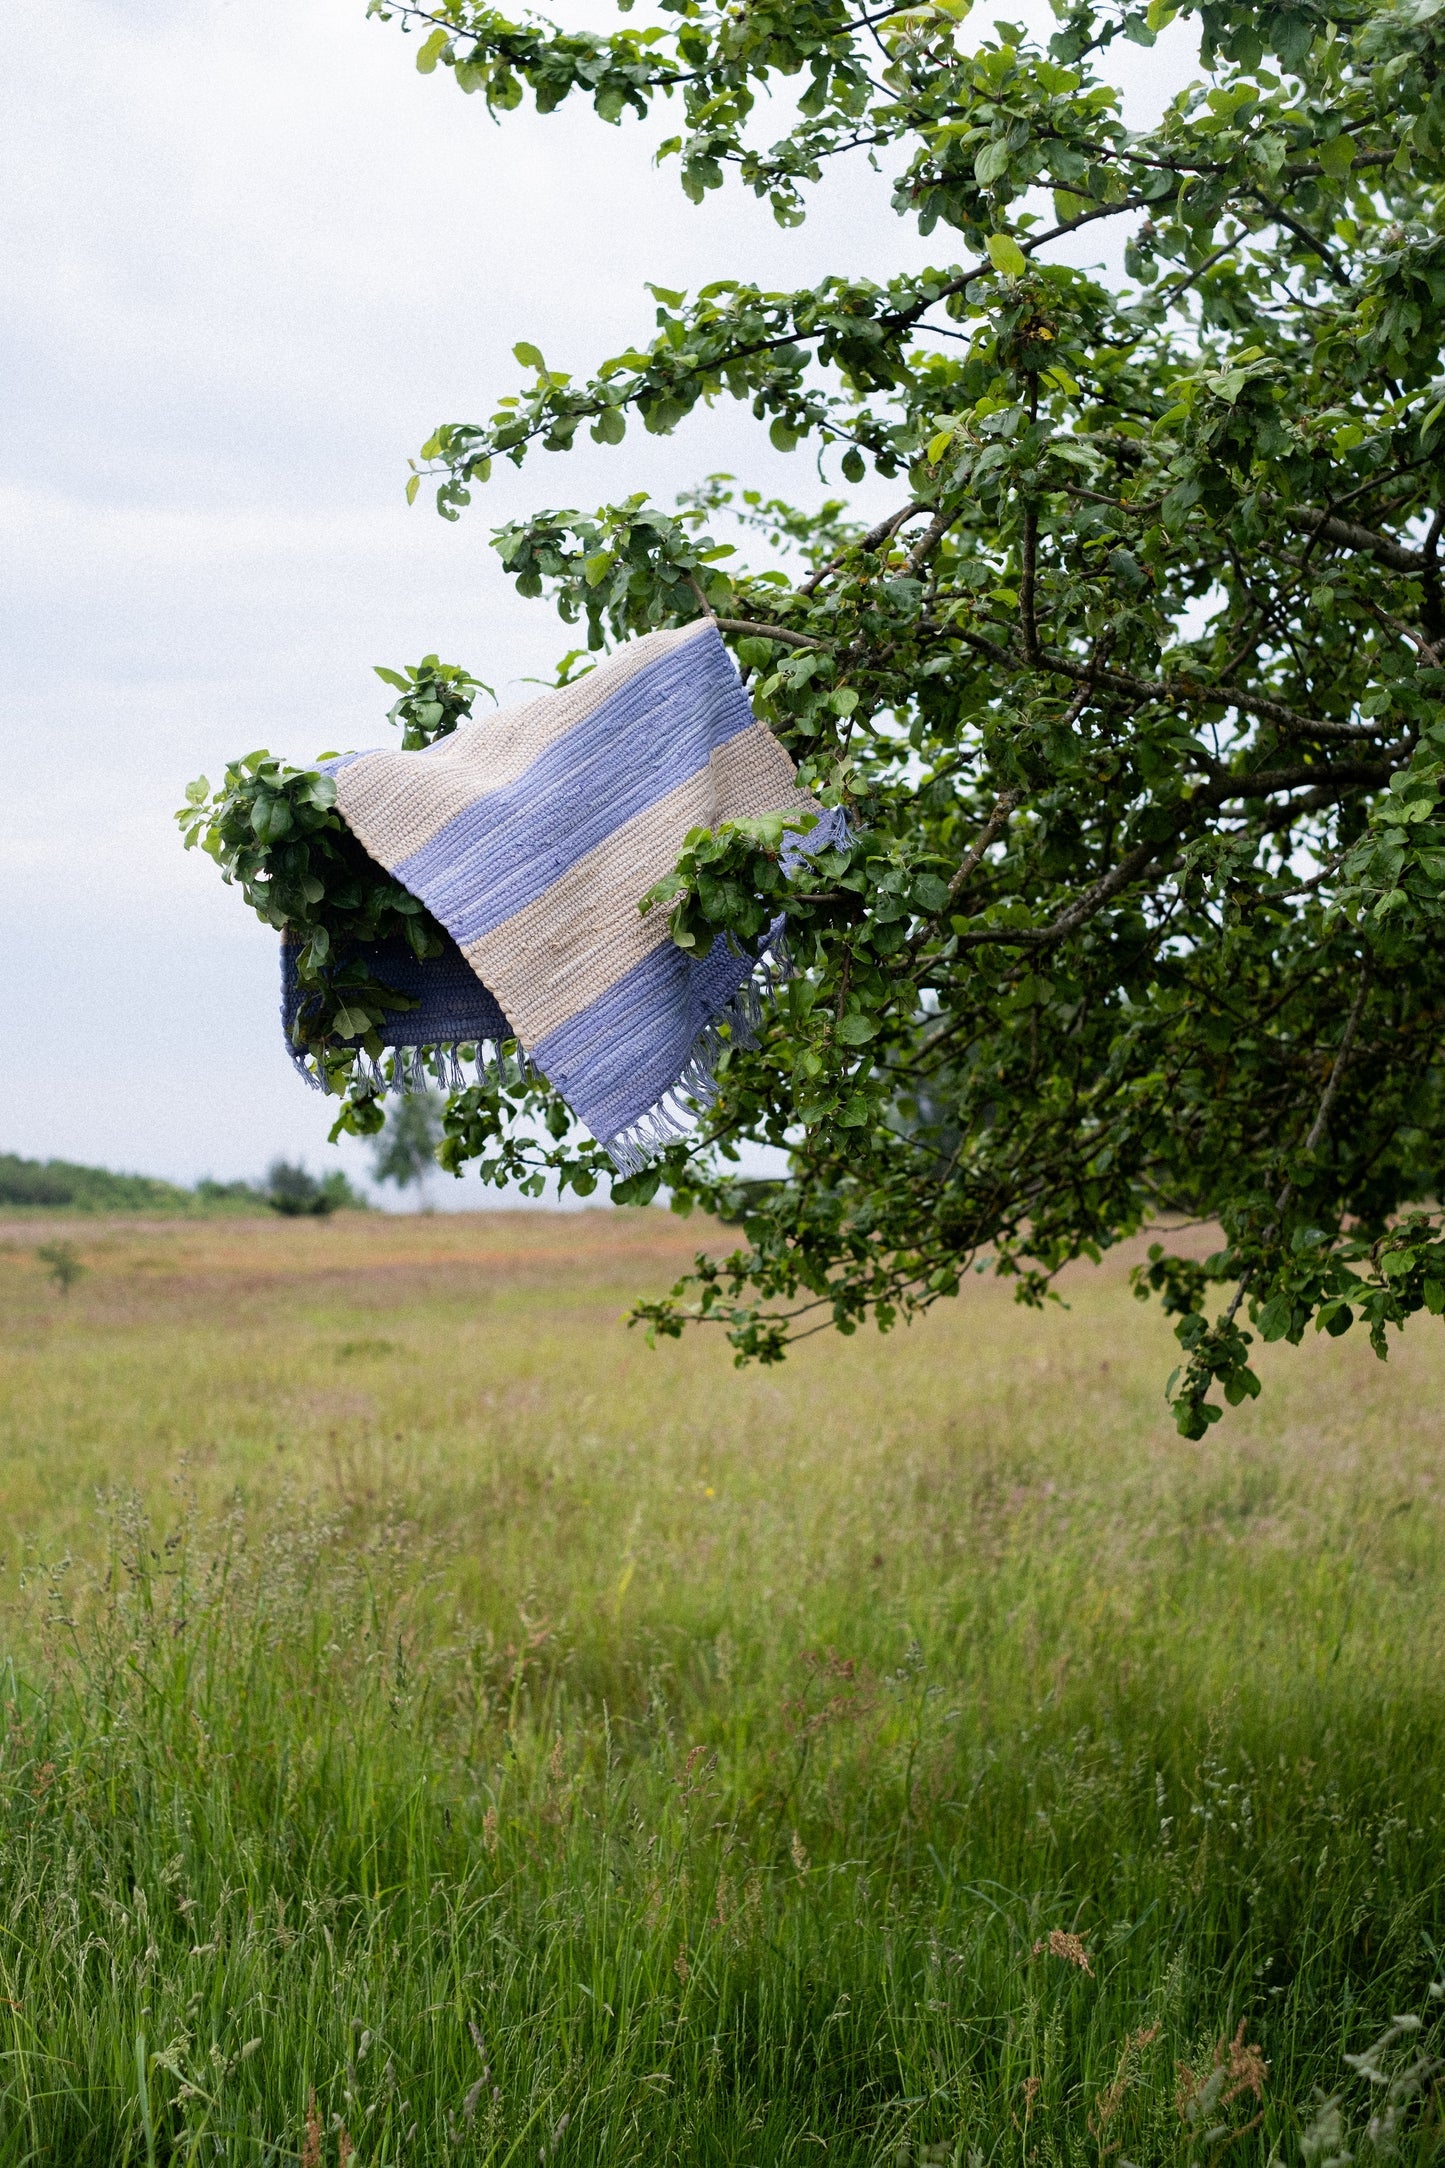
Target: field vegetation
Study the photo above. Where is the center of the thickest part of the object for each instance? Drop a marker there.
(60, 1185)
(439, 1728)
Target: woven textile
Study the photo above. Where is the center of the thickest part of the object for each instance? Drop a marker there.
(532, 835)
(453, 1010)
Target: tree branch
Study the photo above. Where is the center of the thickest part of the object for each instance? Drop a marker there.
(1348, 534)
(929, 540)
(767, 632)
(1229, 696)
(874, 539)
(1311, 241)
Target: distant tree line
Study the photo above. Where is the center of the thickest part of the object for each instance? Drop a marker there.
(62, 1185)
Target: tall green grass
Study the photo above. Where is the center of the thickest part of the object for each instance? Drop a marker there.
(873, 1766)
(276, 1823)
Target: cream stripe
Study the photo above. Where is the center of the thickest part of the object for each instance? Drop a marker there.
(561, 952)
(396, 802)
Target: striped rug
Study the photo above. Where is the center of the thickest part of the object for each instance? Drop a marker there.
(532, 835)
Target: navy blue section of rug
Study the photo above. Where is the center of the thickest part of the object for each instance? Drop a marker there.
(455, 1006)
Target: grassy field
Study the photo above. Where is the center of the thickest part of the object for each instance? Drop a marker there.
(440, 1729)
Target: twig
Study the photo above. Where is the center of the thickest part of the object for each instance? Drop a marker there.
(992, 829)
(968, 865)
(1179, 286)
(874, 539)
(1229, 696)
(766, 632)
(929, 540)
(1311, 241)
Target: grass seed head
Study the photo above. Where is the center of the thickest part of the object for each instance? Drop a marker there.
(1069, 1948)
(311, 2144)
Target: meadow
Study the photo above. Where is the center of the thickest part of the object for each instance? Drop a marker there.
(439, 1728)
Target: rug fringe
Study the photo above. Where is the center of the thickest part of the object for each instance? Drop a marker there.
(407, 1071)
(675, 1114)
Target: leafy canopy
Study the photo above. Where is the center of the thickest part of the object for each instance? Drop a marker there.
(1134, 698)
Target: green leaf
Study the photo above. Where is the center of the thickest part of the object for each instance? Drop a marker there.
(930, 893)
(413, 484)
(1178, 503)
(530, 356)
(1275, 1317)
(1006, 256)
(430, 51)
(1337, 157)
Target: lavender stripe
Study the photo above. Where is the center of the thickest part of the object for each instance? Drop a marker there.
(616, 1058)
(508, 848)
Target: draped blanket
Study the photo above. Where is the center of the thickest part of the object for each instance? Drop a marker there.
(532, 836)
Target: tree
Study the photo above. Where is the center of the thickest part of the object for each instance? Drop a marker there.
(296, 1193)
(62, 1264)
(1134, 697)
(405, 1151)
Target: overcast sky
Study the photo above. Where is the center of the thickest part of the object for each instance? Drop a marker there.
(251, 259)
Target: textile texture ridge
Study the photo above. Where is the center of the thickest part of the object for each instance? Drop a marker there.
(532, 835)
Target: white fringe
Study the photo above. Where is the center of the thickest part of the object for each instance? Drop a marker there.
(405, 1071)
(675, 1114)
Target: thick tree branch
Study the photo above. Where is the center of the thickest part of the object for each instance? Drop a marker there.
(1348, 534)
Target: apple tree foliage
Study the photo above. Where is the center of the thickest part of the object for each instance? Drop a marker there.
(1135, 698)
